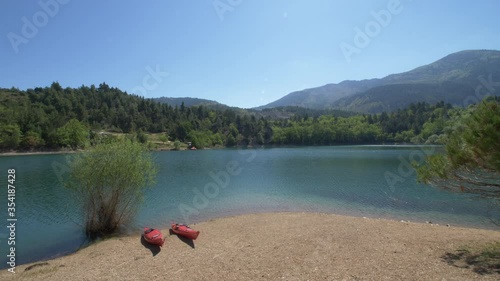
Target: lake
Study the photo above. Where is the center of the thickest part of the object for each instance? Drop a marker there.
(193, 186)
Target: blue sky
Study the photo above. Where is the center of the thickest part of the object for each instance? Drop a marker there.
(242, 53)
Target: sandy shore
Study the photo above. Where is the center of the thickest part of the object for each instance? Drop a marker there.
(276, 246)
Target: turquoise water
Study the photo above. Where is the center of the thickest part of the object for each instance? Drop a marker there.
(193, 186)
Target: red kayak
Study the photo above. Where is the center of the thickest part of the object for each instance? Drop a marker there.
(153, 236)
(184, 230)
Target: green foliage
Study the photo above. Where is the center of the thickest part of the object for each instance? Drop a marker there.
(105, 109)
(216, 139)
(187, 101)
(73, 134)
(437, 167)
(109, 180)
(32, 140)
(404, 136)
(163, 138)
(230, 140)
(403, 126)
(202, 139)
(177, 145)
(141, 137)
(10, 136)
(472, 160)
(483, 136)
(101, 138)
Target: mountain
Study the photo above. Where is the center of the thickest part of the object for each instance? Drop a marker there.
(459, 78)
(317, 98)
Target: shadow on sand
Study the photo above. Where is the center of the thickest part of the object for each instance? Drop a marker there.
(188, 241)
(155, 249)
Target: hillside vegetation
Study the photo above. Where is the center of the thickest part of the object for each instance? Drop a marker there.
(74, 118)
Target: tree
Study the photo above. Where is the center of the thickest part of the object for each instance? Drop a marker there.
(10, 136)
(471, 163)
(141, 137)
(110, 180)
(46, 110)
(32, 140)
(177, 145)
(73, 134)
(230, 140)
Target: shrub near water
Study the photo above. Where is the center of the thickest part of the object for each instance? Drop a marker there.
(110, 180)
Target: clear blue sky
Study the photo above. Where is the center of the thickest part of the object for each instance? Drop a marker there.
(247, 53)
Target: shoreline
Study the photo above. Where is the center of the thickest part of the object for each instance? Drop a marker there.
(27, 153)
(286, 245)
(49, 152)
(129, 232)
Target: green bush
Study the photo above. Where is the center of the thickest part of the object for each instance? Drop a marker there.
(109, 180)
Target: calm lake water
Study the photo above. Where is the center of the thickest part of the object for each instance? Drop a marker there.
(192, 186)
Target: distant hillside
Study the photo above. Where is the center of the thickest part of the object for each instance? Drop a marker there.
(395, 96)
(454, 67)
(286, 112)
(187, 101)
(53, 118)
(452, 79)
(317, 98)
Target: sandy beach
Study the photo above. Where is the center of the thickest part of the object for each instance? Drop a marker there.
(275, 246)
